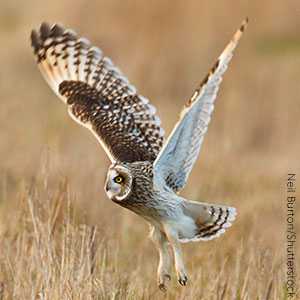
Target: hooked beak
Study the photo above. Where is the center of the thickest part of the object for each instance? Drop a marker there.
(107, 187)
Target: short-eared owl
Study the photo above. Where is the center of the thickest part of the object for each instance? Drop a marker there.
(147, 173)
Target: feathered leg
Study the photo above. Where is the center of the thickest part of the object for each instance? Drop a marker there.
(160, 241)
(172, 236)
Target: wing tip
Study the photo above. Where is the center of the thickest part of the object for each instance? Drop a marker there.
(39, 37)
(44, 31)
(240, 31)
(244, 24)
(225, 55)
(233, 42)
(57, 29)
(35, 42)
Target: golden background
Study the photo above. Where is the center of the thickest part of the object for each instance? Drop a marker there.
(52, 170)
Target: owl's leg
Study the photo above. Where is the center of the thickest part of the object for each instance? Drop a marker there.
(172, 236)
(160, 241)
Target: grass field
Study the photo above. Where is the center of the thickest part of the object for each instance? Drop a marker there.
(61, 238)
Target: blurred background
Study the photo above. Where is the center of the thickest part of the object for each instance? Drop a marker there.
(165, 48)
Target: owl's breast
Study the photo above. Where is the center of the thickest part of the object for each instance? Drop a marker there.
(154, 205)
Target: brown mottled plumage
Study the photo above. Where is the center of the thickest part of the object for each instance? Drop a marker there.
(146, 174)
(98, 95)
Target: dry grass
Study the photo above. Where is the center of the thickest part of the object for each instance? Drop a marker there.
(60, 237)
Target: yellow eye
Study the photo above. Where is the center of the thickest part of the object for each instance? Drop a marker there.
(118, 179)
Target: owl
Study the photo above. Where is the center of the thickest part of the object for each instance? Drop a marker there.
(147, 173)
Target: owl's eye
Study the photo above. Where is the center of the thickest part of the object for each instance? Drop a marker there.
(118, 179)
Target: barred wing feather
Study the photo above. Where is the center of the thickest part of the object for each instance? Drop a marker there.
(98, 96)
(180, 151)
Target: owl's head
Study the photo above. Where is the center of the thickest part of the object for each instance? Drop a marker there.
(118, 184)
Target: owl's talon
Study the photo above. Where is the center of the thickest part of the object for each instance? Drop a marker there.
(161, 283)
(168, 277)
(162, 287)
(182, 279)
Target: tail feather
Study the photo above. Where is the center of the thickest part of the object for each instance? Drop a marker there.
(210, 220)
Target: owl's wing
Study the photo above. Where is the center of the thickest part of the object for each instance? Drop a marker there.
(98, 96)
(180, 151)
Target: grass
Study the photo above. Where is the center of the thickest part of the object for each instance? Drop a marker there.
(49, 252)
(61, 238)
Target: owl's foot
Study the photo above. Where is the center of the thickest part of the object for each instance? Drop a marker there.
(161, 282)
(182, 279)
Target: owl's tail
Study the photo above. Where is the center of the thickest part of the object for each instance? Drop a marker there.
(210, 220)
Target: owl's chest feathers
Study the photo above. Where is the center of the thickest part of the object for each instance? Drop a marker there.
(149, 203)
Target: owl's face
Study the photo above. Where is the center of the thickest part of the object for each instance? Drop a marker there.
(118, 183)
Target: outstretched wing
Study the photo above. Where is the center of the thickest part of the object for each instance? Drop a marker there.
(180, 151)
(98, 95)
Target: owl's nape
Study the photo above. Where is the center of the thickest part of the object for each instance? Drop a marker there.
(118, 183)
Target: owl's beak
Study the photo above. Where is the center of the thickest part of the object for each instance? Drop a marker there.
(107, 186)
